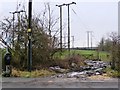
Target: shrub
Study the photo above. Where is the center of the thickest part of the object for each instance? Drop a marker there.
(66, 63)
(112, 73)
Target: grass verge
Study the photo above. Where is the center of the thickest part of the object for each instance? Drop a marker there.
(112, 73)
(33, 74)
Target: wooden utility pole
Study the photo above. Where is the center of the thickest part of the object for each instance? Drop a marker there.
(69, 24)
(13, 29)
(60, 6)
(18, 12)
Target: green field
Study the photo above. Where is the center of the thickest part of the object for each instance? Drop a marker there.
(105, 56)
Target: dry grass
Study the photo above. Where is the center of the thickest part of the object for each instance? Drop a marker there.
(112, 73)
(66, 62)
(100, 77)
(36, 73)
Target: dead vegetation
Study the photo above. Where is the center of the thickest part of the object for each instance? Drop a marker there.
(36, 73)
(70, 62)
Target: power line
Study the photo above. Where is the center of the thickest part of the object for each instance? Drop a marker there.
(86, 26)
(89, 37)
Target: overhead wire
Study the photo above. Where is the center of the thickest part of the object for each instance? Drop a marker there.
(85, 26)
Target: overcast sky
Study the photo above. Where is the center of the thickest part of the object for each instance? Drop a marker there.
(99, 16)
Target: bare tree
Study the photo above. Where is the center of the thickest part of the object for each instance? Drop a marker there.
(44, 43)
(114, 38)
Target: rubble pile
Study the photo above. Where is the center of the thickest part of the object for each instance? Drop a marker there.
(92, 68)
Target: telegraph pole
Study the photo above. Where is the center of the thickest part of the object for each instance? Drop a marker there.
(49, 26)
(61, 28)
(69, 24)
(13, 23)
(18, 26)
(13, 28)
(60, 6)
(69, 29)
(29, 36)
